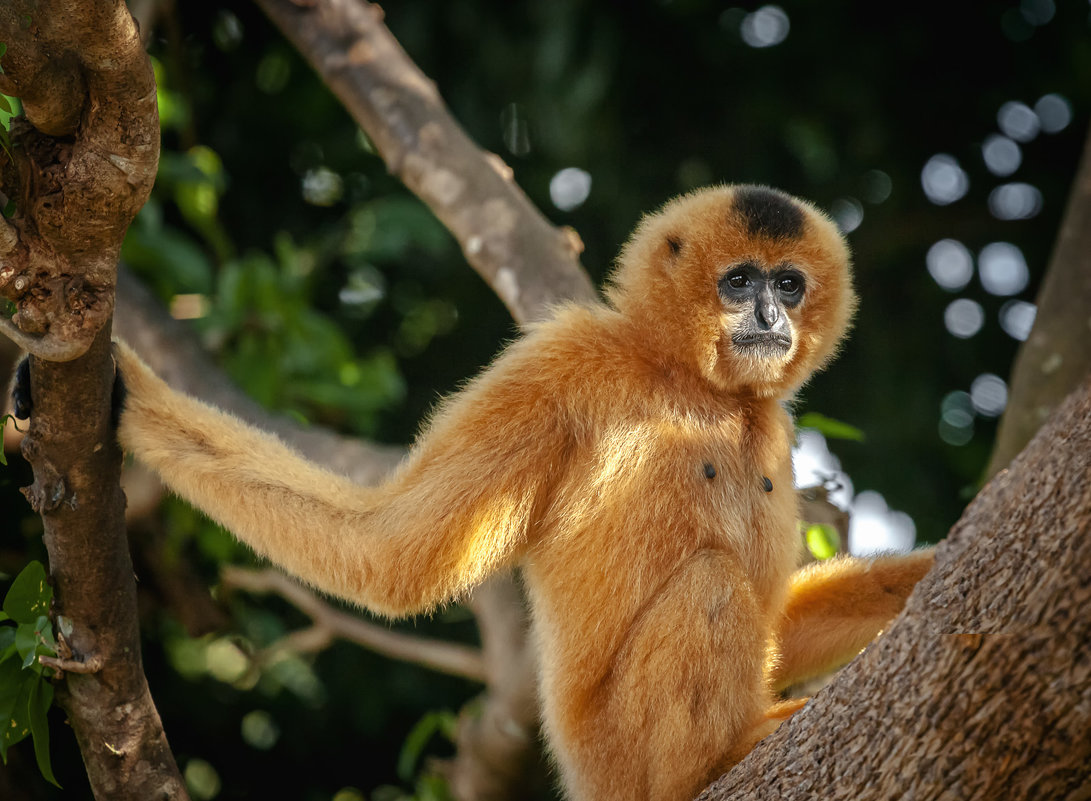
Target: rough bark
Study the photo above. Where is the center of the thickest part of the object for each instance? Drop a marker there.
(1056, 356)
(84, 159)
(77, 468)
(530, 264)
(982, 687)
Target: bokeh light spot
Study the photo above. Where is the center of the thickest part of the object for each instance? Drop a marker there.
(322, 186)
(989, 395)
(877, 186)
(766, 27)
(1037, 12)
(1016, 201)
(956, 423)
(963, 317)
(943, 180)
(1018, 121)
(569, 188)
(950, 264)
(1017, 318)
(848, 213)
(875, 528)
(1002, 155)
(1002, 269)
(1054, 112)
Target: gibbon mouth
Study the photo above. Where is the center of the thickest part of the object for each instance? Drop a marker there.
(766, 340)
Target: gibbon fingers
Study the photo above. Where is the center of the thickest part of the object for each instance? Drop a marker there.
(634, 456)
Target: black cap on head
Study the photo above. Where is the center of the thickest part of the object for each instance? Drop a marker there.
(769, 212)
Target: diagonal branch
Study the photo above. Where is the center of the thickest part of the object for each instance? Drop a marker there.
(1056, 356)
(530, 264)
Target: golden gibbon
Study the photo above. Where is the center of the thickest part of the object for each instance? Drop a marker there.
(634, 457)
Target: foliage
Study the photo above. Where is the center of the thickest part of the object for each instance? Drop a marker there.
(822, 539)
(829, 428)
(25, 691)
(3, 424)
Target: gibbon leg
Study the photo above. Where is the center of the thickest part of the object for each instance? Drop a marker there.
(768, 723)
(835, 608)
(684, 689)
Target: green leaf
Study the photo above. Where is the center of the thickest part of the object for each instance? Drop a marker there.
(29, 595)
(41, 697)
(12, 679)
(3, 459)
(830, 428)
(26, 643)
(15, 686)
(823, 541)
(43, 630)
(418, 738)
(7, 642)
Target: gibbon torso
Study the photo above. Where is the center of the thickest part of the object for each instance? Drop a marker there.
(638, 514)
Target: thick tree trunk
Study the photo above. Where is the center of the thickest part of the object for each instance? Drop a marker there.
(982, 687)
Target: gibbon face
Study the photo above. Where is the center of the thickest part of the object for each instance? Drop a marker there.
(749, 285)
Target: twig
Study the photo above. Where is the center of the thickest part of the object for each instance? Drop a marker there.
(450, 658)
(92, 665)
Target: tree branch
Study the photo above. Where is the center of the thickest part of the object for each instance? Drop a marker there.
(1056, 356)
(84, 159)
(329, 622)
(530, 264)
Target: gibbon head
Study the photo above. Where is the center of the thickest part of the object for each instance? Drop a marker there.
(748, 284)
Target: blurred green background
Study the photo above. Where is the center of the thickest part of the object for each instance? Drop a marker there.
(327, 290)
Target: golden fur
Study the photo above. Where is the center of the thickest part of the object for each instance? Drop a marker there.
(620, 452)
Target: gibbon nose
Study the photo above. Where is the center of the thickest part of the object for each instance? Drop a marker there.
(766, 311)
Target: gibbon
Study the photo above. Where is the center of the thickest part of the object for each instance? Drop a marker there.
(633, 455)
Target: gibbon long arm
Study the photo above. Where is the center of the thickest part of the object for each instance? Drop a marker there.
(455, 511)
(836, 607)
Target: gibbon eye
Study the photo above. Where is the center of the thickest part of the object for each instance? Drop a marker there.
(790, 285)
(737, 281)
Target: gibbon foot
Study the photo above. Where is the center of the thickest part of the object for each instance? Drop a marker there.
(23, 403)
